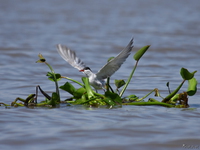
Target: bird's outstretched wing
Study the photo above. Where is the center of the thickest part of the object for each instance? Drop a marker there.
(70, 57)
(112, 66)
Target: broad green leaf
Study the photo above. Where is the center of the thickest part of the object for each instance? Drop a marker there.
(114, 97)
(54, 99)
(79, 93)
(51, 76)
(186, 75)
(58, 76)
(119, 83)
(192, 86)
(140, 52)
(80, 101)
(68, 87)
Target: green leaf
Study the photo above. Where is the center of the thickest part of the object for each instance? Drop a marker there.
(113, 98)
(80, 101)
(174, 99)
(51, 76)
(54, 99)
(192, 87)
(79, 93)
(119, 83)
(140, 52)
(68, 87)
(186, 75)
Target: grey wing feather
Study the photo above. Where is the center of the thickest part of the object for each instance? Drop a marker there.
(70, 56)
(112, 66)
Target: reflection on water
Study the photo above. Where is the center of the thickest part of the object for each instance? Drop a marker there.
(98, 30)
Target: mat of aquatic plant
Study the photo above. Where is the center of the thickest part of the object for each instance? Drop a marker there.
(85, 95)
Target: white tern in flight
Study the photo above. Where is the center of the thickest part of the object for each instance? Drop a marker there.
(96, 80)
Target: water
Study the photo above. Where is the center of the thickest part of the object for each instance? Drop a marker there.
(98, 30)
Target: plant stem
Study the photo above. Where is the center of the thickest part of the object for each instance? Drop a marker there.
(145, 95)
(56, 83)
(166, 99)
(148, 103)
(129, 79)
(73, 80)
(108, 85)
(88, 87)
(4, 104)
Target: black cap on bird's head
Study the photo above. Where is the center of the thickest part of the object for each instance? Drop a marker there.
(86, 68)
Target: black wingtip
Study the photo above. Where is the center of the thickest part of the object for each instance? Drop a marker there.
(132, 40)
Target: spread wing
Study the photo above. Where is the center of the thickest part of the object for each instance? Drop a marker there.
(70, 56)
(112, 66)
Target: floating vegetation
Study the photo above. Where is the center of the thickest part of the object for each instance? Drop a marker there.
(85, 95)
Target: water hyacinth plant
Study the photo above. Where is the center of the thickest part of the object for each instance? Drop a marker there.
(85, 95)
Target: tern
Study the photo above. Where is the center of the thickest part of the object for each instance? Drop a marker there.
(98, 80)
